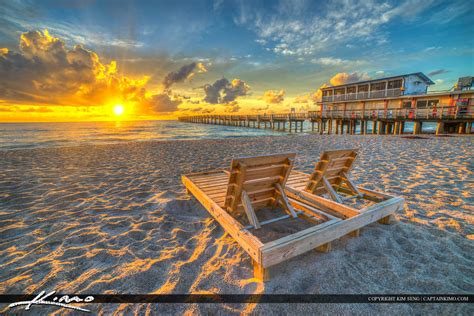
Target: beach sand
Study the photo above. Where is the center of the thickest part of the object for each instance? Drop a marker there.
(116, 219)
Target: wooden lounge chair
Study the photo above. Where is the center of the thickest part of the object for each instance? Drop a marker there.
(331, 172)
(253, 183)
(331, 176)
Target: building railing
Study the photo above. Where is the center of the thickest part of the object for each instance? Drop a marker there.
(438, 112)
(377, 94)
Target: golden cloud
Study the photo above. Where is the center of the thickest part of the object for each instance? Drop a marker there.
(46, 72)
(344, 77)
(273, 96)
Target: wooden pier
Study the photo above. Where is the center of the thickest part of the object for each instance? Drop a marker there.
(449, 119)
(278, 122)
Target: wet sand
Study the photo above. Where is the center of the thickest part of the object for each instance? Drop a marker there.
(116, 219)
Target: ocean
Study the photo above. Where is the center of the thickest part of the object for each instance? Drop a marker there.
(37, 135)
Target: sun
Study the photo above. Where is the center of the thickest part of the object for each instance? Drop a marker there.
(118, 109)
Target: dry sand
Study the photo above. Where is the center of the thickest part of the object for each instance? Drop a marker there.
(116, 219)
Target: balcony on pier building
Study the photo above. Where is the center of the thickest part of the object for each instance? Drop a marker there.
(389, 87)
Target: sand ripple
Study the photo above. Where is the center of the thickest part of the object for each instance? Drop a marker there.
(115, 219)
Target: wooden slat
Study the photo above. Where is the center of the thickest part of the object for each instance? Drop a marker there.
(214, 195)
(261, 195)
(267, 180)
(310, 210)
(199, 178)
(269, 189)
(259, 203)
(204, 173)
(297, 179)
(215, 189)
(263, 160)
(332, 207)
(264, 171)
(203, 182)
(213, 184)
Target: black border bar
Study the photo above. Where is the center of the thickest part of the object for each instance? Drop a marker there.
(257, 298)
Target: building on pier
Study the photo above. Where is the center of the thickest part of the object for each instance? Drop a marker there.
(401, 98)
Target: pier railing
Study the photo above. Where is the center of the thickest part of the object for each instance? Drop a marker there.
(440, 112)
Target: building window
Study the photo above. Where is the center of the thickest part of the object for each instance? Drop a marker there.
(339, 91)
(395, 84)
(421, 104)
(351, 90)
(363, 88)
(377, 86)
(407, 105)
(327, 93)
(433, 103)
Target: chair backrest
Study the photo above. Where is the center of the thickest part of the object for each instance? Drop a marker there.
(257, 176)
(333, 166)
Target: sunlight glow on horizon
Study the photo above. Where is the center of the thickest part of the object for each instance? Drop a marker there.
(118, 109)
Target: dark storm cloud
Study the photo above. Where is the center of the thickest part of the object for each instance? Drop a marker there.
(222, 91)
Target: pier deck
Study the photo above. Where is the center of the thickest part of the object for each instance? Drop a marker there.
(449, 119)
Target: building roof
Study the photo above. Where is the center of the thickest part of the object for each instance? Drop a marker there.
(420, 74)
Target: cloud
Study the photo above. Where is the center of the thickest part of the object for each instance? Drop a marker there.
(208, 110)
(45, 71)
(343, 78)
(259, 109)
(302, 98)
(273, 96)
(432, 48)
(163, 103)
(438, 72)
(232, 107)
(337, 79)
(222, 91)
(184, 73)
(331, 61)
(450, 11)
(291, 28)
(319, 93)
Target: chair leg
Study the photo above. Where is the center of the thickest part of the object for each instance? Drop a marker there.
(387, 220)
(331, 191)
(259, 272)
(249, 210)
(352, 186)
(284, 200)
(355, 233)
(324, 247)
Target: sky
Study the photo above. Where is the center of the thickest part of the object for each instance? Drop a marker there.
(82, 60)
